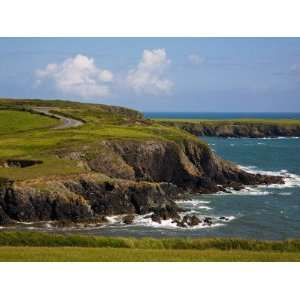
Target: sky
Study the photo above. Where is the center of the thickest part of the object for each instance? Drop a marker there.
(156, 74)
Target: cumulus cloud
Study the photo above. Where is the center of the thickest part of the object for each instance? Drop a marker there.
(195, 59)
(78, 76)
(149, 75)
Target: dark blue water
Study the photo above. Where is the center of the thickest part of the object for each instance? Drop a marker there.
(257, 212)
(233, 115)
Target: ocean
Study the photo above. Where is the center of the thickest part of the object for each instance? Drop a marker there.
(271, 213)
(217, 115)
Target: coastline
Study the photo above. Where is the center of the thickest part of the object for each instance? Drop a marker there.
(239, 128)
(120, 171)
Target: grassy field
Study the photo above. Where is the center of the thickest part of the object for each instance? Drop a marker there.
(25, 135)
(12, 122)
(35, 246)
(79, 254)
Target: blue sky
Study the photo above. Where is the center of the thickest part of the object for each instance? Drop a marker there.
(156, 74)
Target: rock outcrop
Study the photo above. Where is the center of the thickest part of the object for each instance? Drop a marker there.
(82, 198)
(124, 177)
(239, 129)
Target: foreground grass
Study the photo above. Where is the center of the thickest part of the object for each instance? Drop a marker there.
(37, 246)
(81, 254)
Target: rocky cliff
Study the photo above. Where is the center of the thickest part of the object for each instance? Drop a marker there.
(239, 129)
(115, 162)
(123, 177)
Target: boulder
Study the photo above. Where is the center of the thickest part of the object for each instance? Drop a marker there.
(191, 220)
(156, 218)
(208, 221)
(128, 219)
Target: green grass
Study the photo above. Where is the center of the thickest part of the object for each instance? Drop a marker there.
(37, 246)
(78, 254)
(12, 122)
(25, 135)
(39, 239)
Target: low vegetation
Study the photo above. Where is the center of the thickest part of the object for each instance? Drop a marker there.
(39, 239)
(77, 254)
(25, 134)
(37, 246)
(13, 122)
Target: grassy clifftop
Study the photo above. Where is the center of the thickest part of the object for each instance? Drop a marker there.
(27, 135)
(257, 121)
(252, 128)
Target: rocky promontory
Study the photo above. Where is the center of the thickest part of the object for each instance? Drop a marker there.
(124, 177)
(237, 129)
(114, 163)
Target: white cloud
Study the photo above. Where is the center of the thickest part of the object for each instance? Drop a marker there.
(78, 76)
(149, 75)
(196, 59)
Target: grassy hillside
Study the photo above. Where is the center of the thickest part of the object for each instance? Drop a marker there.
(28, 135)
(250, 128)
(29, 246)
(12, 122)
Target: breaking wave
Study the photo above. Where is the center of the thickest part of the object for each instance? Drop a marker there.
(146, 221)
(290, 180)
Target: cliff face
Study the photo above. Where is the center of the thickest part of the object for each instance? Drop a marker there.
(251, 130)
(81, 198)
(123, 177)
(189, 165)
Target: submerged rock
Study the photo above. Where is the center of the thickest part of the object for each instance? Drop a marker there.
(208, 221)
(224, 218)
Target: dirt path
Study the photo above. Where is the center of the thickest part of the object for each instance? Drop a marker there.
(66, 122)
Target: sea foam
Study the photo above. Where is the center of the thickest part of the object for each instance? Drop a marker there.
(290, 179)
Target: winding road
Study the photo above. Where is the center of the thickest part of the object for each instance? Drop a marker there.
(65, 121)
